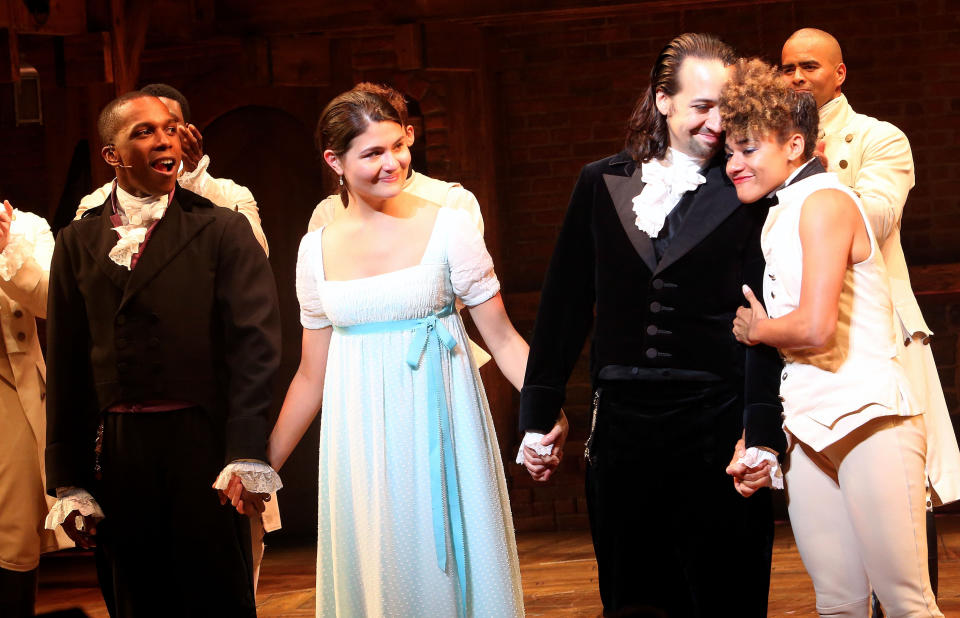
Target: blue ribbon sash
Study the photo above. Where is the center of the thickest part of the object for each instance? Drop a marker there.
(430, 340)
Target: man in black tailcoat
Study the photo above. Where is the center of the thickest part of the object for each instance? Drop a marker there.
(163, 341)
(653, 253)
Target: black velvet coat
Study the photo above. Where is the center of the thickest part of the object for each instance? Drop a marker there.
(675, 314)
(196, 320)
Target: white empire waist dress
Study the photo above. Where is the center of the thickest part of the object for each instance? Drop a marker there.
(376, 549)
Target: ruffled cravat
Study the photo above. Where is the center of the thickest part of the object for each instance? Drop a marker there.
(665, 182)
(137, 215)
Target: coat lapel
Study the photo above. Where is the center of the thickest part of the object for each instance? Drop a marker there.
(622, 190)
(174, 231)
(99, 238)
(710, 207)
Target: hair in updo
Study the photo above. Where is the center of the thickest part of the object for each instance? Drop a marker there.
(756, 102)
(350, 113)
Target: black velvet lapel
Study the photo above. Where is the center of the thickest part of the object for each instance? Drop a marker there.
(174, 231)
(709, 209)
(622, 190)
(99, 238)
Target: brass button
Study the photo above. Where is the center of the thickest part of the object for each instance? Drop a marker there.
(651, 352)
(18, 314)
(843, 164)
(21, 336)
(655, 307)
(651, 330)
(848, 138)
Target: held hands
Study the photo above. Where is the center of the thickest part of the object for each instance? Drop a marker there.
(246, 503)
(82, 529)
(542, 467)
(747, 480)
(6, 218)
(191, 144)
(748, 317)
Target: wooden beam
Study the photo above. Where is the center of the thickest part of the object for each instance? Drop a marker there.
(64, 17)
(128, 29)
(9, 56)
(87, 59)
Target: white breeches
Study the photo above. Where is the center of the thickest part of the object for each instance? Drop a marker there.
(858, 516)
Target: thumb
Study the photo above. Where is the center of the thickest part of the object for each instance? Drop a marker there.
(749, 295)
(551, 437)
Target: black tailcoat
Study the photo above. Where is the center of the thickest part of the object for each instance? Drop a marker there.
(672, 390)
(195, 321)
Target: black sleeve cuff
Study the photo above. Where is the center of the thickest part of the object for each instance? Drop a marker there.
(763, 426)
(539, 408)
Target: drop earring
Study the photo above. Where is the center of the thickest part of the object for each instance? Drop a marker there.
(341, 181)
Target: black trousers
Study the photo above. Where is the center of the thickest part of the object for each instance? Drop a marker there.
(671, 535)
(167, 547)
(18, 593)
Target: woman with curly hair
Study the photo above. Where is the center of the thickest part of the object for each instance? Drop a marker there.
(855, 473)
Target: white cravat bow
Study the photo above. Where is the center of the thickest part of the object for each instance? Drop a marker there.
(140, 214)
(665, 182)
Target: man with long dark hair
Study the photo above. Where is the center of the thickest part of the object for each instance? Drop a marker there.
(653, 253)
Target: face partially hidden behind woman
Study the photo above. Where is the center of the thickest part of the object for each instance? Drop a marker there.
(758, 166)
(376, 163)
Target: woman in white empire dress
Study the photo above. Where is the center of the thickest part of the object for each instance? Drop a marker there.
(413, 515)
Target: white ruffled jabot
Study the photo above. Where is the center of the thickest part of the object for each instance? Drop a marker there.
(137, 215)
(665, 182)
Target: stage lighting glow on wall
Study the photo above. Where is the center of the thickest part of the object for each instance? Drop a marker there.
(27, 104)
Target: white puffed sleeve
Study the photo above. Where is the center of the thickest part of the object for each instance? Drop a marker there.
(309, 276)
(471, 267)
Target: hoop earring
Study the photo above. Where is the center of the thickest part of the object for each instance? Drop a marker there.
(341, 181)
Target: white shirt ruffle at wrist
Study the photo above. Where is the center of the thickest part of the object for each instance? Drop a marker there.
(756, 456)
(18, 250)
(70, 499)
(532, 439)
(195, 180)
(256, 476)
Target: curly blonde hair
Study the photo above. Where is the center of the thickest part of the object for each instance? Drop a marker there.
(757, 102)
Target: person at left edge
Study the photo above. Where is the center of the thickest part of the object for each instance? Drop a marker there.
(163, 340)
(25, 248)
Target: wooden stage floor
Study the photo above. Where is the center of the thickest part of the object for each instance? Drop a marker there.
(558, 569)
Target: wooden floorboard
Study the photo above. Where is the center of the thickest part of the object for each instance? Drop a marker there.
(558, 570)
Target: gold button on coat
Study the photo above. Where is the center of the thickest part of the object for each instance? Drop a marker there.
(843, 164)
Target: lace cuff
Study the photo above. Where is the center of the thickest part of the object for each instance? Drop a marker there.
(70, 499)
(756, 456)
(532, 439)
(18, 250)
(256, 476)
(194, 180)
